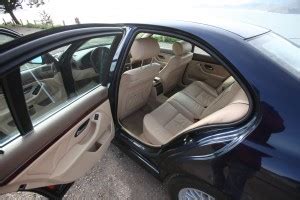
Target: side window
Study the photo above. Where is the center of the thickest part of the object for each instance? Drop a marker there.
(56, 78)
(197, 50)
(165, 42)
(5, 38)
(7, 126)
(89, 63)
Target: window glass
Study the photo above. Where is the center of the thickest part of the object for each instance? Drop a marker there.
(280, 50)
(58, 52)
(95, 42)
(165, 42)
(5, 38)
(80, 68)
(198, 50)
(7, 125)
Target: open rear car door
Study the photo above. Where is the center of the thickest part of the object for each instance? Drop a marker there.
(55, 114)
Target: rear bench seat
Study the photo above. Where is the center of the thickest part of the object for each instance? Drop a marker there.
(196, 105)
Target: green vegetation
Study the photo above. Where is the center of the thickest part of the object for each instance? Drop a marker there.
(30, 25)
(166, 39)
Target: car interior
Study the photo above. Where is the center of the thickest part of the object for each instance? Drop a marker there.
(170, 86)
(43, 84)
(55, 107)
(167, 87)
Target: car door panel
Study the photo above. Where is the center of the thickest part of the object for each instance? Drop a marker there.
(210, 73)
(6, 121)
(69, 157)
(83, 74)
(71, 135)
(41, 95)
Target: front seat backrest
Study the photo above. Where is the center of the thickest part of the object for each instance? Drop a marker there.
(136, 84)
(172, 73)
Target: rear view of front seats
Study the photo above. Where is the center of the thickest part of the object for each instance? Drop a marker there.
(172, 73)
(136, 84)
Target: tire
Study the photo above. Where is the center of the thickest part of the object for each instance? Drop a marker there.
(180, 185)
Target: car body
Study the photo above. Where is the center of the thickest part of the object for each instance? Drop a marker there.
(257, 158)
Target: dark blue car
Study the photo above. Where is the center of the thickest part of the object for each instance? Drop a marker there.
(209, 108)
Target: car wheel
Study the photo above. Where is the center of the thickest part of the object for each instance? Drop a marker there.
(184, 188)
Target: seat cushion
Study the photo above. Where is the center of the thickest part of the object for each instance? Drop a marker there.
(177, 113)
(187, 105)
(185, 110)
(163, 123)
(201, 92)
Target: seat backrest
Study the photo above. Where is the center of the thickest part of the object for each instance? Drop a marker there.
(136, 84)
(172, 73)
(231, 105)
(228, 82)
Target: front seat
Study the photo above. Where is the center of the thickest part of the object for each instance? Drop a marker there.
(172, 73)
(136, 84)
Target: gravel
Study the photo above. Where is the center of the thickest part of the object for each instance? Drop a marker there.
(115, 176)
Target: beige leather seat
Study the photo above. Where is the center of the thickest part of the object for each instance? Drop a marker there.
(182, 112)
(172, 73)
(204, 94)
(136, 84)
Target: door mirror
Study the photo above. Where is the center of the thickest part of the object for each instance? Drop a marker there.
(37, 60)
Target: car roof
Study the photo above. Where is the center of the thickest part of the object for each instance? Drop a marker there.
(9, 31)
(241, 29)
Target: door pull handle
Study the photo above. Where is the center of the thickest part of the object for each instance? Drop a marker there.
(82, 127)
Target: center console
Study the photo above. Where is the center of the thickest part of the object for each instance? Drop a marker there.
(158, 86)
(157, 96)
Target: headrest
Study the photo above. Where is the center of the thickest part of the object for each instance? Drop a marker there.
(229, 81)
(181, 48)
(144, 48)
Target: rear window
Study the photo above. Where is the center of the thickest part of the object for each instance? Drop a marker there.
(165, 42)
(280, 50)
(197, 50)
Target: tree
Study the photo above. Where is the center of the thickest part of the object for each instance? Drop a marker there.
(35, 3)
(8, 6)
(45, 18)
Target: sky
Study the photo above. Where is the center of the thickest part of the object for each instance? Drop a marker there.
(99, 11)
(282, 16)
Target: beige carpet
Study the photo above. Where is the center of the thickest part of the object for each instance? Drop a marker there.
(134, 122)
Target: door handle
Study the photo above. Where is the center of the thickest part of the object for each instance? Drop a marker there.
(208, 67)
(82, 127)
(161, 57)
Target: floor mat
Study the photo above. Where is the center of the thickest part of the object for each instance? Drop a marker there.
(134, 122)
